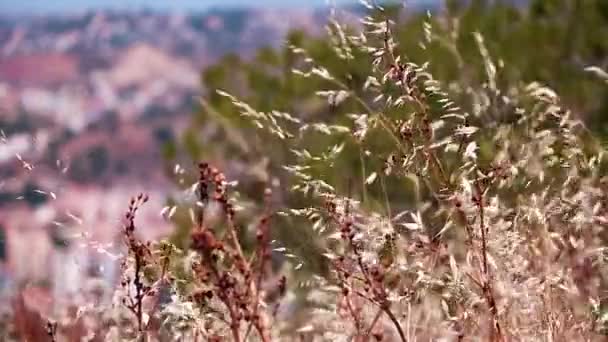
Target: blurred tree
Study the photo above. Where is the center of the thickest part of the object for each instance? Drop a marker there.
(548, 41)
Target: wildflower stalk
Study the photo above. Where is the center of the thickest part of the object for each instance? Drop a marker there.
(373, 276)
(139, 252)
(262, 237)
(237, 288)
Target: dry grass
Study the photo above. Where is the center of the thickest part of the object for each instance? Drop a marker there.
(505, 241)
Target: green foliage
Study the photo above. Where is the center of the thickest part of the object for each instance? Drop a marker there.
(266, 83)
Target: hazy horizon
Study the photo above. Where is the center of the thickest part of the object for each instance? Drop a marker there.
(70, 6)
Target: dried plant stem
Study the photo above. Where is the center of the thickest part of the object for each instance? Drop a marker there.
(139, 251)
(356, 318)
(488, 293)
(262, 252)
(262, 331)
(248, 331)
(363, 174)
(263, 240)
(238, 287)
(396, 323)
(379, 292)
(234, 240)
(234, 321)
(138, 293)
(51, 328)
(257, 320)
(234, 325)
(374, 321)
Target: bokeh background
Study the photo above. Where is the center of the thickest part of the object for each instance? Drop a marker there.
(100, 100)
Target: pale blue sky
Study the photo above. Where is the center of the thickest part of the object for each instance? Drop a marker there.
(66, 6)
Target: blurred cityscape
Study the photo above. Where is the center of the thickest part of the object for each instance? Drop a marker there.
(86, 103)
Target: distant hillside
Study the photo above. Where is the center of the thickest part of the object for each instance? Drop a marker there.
(103, 91)
(202, 37)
